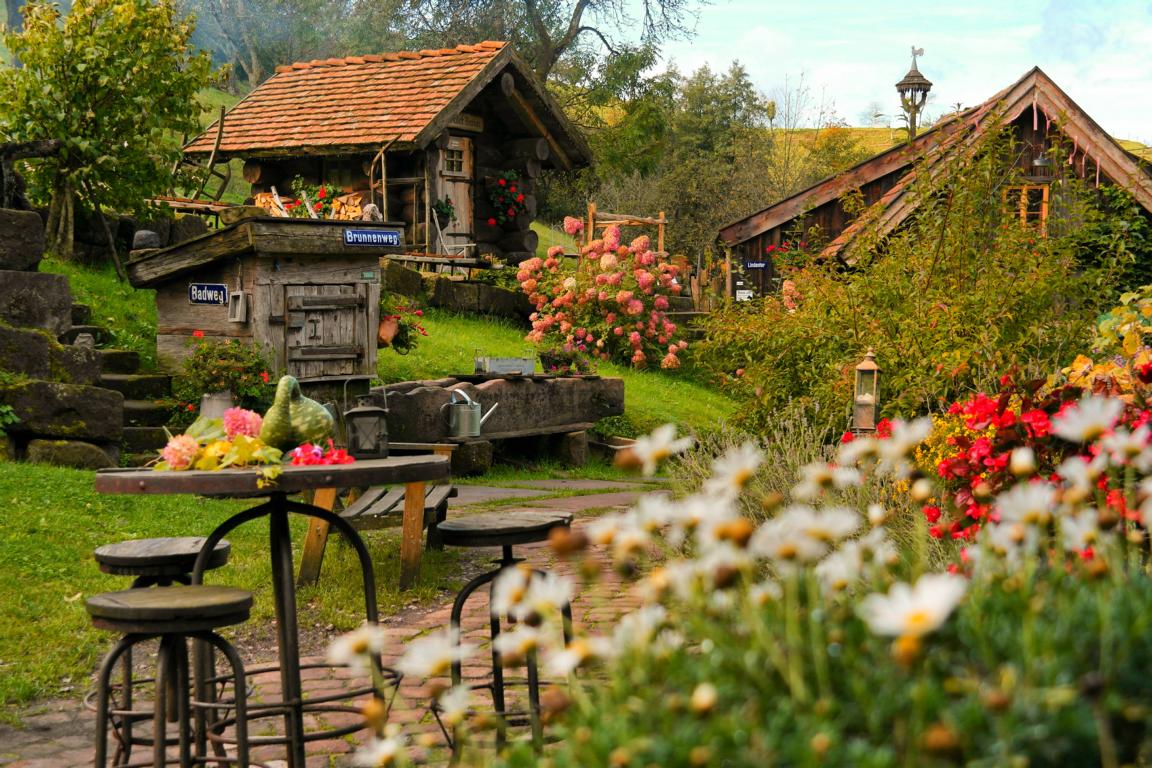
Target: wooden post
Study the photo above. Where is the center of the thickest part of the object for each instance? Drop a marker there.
(589, 232)
(411, 533)
(660, 234)
(316, 539)
(727, 275)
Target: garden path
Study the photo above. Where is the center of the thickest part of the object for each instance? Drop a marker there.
(58, 734)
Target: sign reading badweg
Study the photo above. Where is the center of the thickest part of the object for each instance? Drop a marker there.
(207, 293)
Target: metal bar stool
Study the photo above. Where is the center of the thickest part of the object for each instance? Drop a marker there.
(152, 562)
(172, 615)
(504, 530)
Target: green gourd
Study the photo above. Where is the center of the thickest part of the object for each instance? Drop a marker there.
(294, 419)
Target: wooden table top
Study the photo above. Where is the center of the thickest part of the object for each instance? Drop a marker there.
(244, 481)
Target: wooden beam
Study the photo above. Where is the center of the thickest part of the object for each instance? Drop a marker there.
(411, 534)
(524, 110)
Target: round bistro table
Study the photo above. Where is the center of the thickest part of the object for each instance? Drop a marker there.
(411, 471)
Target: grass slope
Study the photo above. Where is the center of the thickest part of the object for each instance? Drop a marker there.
(650, 397)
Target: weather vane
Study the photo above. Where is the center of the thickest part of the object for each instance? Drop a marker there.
(916, 52)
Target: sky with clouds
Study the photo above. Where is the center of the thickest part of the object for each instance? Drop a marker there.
(849, 53)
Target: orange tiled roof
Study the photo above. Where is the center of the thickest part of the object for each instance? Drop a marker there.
(359, 100)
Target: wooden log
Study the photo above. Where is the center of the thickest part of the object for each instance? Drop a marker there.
(489, 249)
(520, 241)
(528, 149)
(532, 169)
(489, 155)
(485, 232)
(253, 171)
(507, 84)
(515, 257)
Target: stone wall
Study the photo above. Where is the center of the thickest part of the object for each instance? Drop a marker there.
(61, 417)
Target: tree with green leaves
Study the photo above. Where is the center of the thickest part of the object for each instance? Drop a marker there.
(115, 81)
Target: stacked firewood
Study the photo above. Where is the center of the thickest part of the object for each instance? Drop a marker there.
(349, 207)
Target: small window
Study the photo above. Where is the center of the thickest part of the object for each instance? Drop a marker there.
(454, 162)
(1029, 204)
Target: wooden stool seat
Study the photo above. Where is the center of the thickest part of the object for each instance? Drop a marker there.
(176, 609)
(501, 529)
(162, 557)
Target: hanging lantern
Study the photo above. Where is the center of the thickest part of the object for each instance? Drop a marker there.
(867, 399)
(367, 428)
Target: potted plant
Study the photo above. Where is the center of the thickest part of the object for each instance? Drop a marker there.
(445, 211)
(400, 327)
(220, 373)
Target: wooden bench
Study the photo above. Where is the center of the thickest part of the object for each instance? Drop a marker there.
(377, 507)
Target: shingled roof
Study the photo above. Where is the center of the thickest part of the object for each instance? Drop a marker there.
(931, 153)
(365, 102)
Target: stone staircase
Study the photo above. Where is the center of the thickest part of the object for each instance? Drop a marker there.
(683, 312)
(144, 416)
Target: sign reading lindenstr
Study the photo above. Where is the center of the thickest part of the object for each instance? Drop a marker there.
(372, 237)
(207, 293)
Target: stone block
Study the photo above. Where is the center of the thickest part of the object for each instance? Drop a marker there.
(21, 240)
(7, 448)
(145, 238)
(25, 351)
(75, 365)
(162, 226)
(187, 227)
(399, 279)
(473, 458)
(480, 298)
(36, 300)
(572, 449)
(65, 411)
(69, 453)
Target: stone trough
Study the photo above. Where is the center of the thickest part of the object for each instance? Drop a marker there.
(537, 414)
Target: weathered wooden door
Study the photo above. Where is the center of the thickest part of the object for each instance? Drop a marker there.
(325, 333)
(456, 184)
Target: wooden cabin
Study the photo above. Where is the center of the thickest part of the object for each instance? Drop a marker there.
(408, 130)
(306, 291)
(1038, 111)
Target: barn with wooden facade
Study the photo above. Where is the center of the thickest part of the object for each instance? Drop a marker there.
(408, 130)
(1055, 135)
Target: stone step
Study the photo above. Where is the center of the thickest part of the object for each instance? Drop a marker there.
(145, 413)
(99, 333)
(144, 439)
(137, 459)
(138, 386)
(681, 304)
(119, 360)
(81, 314)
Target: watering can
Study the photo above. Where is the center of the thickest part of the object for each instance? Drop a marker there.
(464, 417)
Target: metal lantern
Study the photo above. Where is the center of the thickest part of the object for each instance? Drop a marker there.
(867, 398)
(367, 428)
(913, 90)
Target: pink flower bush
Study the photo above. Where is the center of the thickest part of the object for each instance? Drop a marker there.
(239, 421)
(573, 226)
(582, 310)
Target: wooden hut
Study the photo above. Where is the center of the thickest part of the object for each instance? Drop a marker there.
(306, 291)
(1040, 114)
(408, 130)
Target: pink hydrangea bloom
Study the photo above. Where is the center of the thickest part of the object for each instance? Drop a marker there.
(670, 361)
(635, 307)
(555, 251)
(572, 225)
(661, 303)
(641, 244)
(611, 238)
(180, 452)
(608, 261)
(239, 421)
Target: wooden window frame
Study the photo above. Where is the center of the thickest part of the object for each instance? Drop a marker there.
(456, 152)
(1015, 201)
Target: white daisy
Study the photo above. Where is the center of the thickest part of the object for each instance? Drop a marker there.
(514, 644)
(1029, 503)
(432, 655)
(579, 652)
(510, 589)
(1079, 531)
(356, 648)
(841, 568)
(378, 753)
(659, 445)
(1088, 419)
(1022, 463)
(784, 542)
(914, 611)
(636, 629)
(857, 451)
(1080, 475)
(732, 471)
(1123, 446)
(828, 525)
(453, 704)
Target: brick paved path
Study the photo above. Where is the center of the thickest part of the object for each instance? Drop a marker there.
(58, 734)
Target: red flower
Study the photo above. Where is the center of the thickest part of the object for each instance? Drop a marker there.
(511, 212)
(847, 437)
(322, 193)
(318, 207)
(190, 407)
(502, 182)
(884, 428)
(932, 513)
(491, 222)
(512, 189)
(1144, 373)
(520, 197)
(264, 376)
(1037, 422)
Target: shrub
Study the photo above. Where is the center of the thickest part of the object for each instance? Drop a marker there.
(961, 294)
(613, 304)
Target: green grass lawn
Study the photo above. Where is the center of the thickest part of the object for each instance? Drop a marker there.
(651, 398)
(54, 520)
